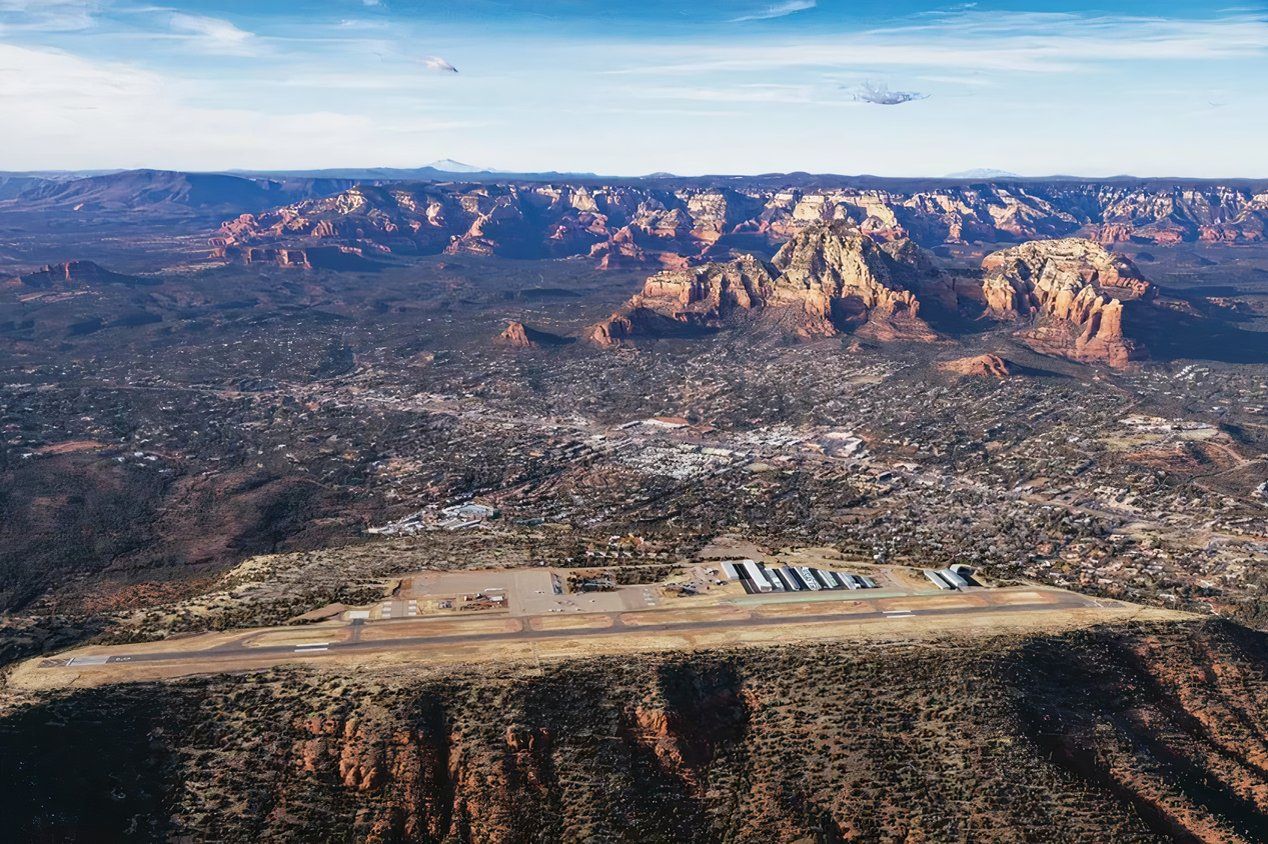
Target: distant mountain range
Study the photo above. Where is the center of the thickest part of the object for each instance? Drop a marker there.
(983, 173)
(159, 192)
(448, 165)
(446, 168)
(634, 220)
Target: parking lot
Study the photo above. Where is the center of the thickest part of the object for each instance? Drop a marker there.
(516, 592)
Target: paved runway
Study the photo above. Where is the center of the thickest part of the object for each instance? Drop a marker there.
(349, 639)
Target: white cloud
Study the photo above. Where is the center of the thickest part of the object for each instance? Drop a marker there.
(971, 40)
(438, 65)
(65, 111)
(215, 35)
(778, 10)
(878, 93)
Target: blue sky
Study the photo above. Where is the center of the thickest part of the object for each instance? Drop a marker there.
(746, 86)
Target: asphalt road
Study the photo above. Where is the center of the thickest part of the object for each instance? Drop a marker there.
(214, 658)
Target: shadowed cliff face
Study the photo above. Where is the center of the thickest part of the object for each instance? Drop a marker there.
(1176, 730)
(1115, 734)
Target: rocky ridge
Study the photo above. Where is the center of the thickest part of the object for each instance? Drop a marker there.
(650, 225)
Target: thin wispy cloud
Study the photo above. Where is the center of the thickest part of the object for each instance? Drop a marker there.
(46, 15)
(761, 93)
(778, 10)
(138, 117)
(214, 35)
(970, 40)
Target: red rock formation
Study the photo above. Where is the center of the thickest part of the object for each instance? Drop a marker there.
(651, 225)
(1111, 233)
(828, 279)
(515, 336)
(1072, 291)
(279, 257)
(978, 366)
(608, 333)
(71, 274)
(705, 297)
(842, 279)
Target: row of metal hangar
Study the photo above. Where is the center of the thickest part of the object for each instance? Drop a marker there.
(758, 577)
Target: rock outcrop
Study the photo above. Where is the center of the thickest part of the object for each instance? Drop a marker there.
(1072, 293)
(702, 298)
(843, 280)
(76, 274)
(517, 335)
(829, 279)
(978, 366)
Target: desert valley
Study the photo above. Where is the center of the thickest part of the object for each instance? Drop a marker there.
(556, 508)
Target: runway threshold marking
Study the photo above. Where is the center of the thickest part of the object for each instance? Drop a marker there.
(88, 660)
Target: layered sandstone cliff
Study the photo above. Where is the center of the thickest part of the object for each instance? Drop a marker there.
(842, 279)
(654, 224)
(830, 278)
(704, 298)
(1072, 293)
